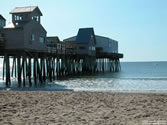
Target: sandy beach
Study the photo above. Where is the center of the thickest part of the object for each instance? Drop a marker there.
(77, 108)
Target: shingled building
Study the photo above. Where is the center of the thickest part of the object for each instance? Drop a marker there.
(85, 41)
(90, 44)
(25, 32)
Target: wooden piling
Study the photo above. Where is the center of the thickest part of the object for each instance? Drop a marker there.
(23, 69)
(4, 65)
(13, 66)
(7, 70)
(35, 70)
(29, 71)
(19, 69)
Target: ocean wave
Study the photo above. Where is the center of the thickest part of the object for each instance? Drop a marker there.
(155, 78)
(124, 90)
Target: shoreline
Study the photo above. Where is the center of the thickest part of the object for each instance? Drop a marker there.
(47, 107)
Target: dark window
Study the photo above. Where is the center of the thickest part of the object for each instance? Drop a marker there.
(82, 47)
(58, 46)
(18, 17)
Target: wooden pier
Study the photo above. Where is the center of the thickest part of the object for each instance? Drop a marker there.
(32, 57)
(38, 67)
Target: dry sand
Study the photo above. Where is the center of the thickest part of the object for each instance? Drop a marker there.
(77, 108)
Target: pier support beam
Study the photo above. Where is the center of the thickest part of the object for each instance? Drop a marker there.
(7, 70)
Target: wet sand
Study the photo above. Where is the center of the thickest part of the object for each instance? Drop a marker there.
(77, 108)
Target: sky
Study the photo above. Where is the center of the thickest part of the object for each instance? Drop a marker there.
(140, 26)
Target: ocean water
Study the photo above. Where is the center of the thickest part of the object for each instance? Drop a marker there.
(138, 77)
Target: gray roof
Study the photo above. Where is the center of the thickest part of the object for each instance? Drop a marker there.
(84, 35)
(105, 37)
(54, 38)
(1, 17)
(70, 39)
(27, 9)
(18, 25)
(21, 25)
(96, 37)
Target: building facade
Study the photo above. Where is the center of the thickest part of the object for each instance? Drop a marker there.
(101, 44)
(106, 45)
(25, 32)
(85, 41)
(53, 44)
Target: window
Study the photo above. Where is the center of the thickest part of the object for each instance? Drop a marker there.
(18, 17)
(41, 39)
(50, 41)
(91, 48)
(15, 17)
(21, 17)
(58, 46)
(82, 47)
(91, 36)
(36, 18)
(32, 37)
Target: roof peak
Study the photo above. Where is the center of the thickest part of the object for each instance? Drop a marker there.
(25, 9)
(1, 17)
(26, 6)
(87, 28)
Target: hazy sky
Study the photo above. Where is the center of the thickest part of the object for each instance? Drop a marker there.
(140, 26)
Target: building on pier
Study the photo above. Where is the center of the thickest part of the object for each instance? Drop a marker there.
(106, 45)
(25, 32)
(70, 48)
(85, 41)
(103, 45)
(53, 44)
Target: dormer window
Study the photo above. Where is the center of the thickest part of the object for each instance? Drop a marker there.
(18, 17)
(15, 17)
(36, 18)
(21, 18)
(26, 14)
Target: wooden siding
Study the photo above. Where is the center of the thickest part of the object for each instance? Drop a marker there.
(14, 38)
(107, 45)
(36, 29)
(2, 41)
(20, 38)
